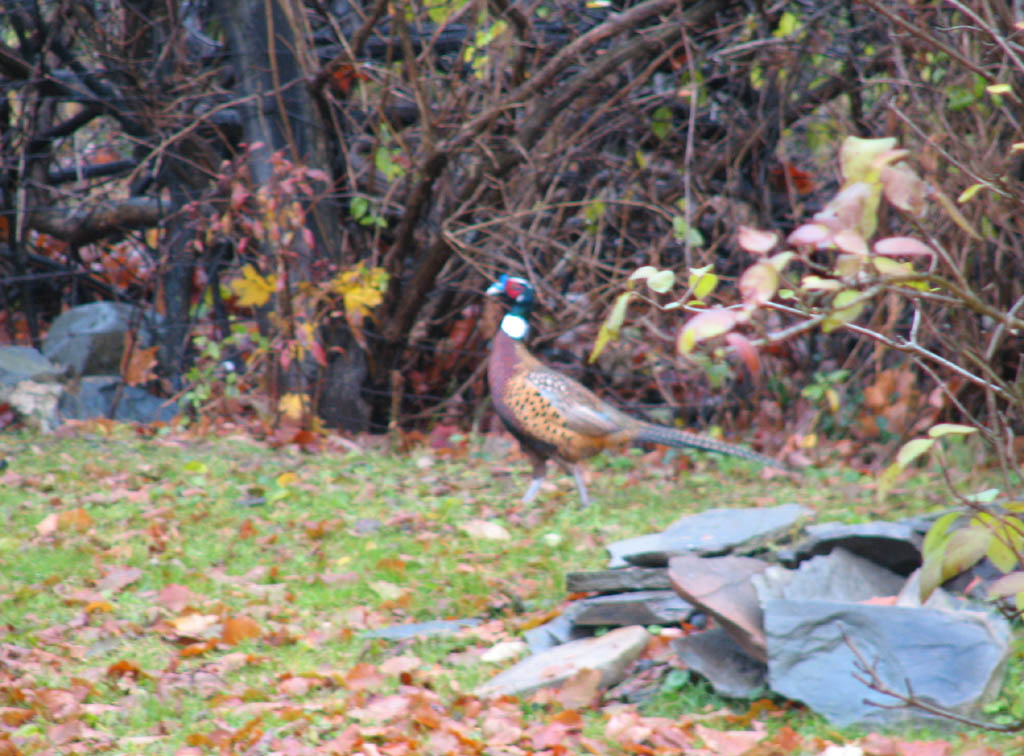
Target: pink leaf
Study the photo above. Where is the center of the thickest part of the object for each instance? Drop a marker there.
(755, 240)
(895, 246)
(809, 234)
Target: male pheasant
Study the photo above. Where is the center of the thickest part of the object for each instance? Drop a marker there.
(553, 416)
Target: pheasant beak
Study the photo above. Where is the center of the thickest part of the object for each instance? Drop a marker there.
(496, 289)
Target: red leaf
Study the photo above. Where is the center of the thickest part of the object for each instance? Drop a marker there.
(747, 352)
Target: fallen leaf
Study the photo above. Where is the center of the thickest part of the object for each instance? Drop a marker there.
(238, 629)
(193, 625)
(363, 676)
(387, 591)
(398, 665)
(580, 690)
(118, 578)
(14, 717)
(486, 530)
(728, 743)
(59, 703)
(72, 519)
(175, 597)
(124, 668)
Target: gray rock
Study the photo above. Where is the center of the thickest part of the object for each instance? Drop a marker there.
(89, 339)
(610, 654)
(23, 363)
(34, 402)
(894, 545)
(617, 581)
(714, 655)
(953, 659)
(554, 633)
(839, 576)
(436, 627)
(632, 608)
(94, 397)
(715, 531)
(722, 587)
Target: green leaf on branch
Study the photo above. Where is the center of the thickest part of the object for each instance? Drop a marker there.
(703, 281)
(845, 310)
(950, 429)
(661, 122)
(966, 548)
(857, 157)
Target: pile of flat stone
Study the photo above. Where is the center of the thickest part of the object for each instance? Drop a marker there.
(812, 612)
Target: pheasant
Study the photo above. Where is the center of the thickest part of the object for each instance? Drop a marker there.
(556, 418)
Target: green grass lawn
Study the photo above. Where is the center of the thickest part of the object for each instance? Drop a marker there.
(171, 595)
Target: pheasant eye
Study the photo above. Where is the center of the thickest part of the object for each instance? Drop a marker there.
(513, 289)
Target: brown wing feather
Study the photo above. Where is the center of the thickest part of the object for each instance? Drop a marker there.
(580, 410)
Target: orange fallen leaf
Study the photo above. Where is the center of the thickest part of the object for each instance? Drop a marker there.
(124, 668)
(73, 519)
(363, 676)
(238, 629)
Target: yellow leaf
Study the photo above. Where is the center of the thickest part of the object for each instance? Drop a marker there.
(969, 192)
(290, 405)
(286, 479)
(362, 288)
(253, 289)
(845, 310)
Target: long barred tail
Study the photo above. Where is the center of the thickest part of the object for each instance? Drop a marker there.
(660, 434)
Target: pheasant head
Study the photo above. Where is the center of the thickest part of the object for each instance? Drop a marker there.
(518, 295)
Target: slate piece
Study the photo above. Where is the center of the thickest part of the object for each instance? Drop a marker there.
(435, 627)
(714, 655)
(838, 576)
(89, 339)
(616, 581)
(715, 531)
(722, 587)
(632, 608)
(554, 633)
(894, 545)
(610, 654)
(953, 659)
